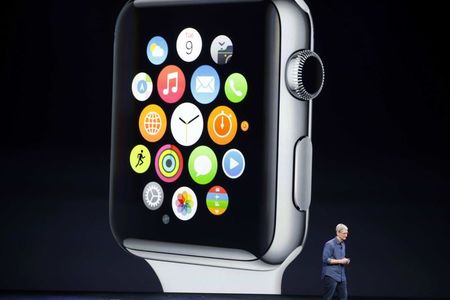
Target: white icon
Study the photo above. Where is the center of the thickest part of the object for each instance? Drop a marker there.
(152, 123)
(153, 195)
(205, 84)
(221, 49)
(156, 50)
(233, 164)
(184, 203)
(142, 86)
(233, 88)
(202, 165)
(189, 44)
(174, 89)
(186, 124)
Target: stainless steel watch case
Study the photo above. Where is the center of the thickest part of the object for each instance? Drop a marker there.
(293, 188)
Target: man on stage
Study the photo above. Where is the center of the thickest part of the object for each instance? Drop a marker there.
(333, 265)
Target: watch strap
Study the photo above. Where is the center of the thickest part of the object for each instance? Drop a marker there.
(176, 277)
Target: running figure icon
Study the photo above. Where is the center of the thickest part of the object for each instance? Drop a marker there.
(140, 158)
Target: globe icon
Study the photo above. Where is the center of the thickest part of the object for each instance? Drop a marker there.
(152, 123)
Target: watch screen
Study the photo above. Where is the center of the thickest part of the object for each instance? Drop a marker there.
(195, 124)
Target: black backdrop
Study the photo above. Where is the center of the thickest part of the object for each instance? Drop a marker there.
(381, 144)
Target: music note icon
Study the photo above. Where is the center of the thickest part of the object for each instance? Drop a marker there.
(171, 84)
(171, 77)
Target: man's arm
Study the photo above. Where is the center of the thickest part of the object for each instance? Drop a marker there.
(343, 261)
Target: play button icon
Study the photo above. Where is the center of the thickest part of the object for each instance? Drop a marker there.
(233, 163)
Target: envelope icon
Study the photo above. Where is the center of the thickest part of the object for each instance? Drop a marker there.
(205, 84)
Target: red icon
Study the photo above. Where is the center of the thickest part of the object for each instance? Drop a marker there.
(171, 84)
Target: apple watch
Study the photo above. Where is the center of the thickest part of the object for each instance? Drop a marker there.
(211, 152)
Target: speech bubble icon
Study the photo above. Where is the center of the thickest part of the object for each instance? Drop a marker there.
(202, 165)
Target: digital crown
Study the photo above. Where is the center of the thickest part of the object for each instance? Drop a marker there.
(305, 75)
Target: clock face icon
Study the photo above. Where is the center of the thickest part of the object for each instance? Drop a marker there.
(222, 125)
(186, 124)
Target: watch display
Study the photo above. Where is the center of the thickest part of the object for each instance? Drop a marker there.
(194, 125)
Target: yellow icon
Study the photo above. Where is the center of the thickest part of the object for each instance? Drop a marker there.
(140, 159)
(222, 125)
(244, 126)
(152, 123)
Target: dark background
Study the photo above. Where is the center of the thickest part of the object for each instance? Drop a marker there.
(381, 145)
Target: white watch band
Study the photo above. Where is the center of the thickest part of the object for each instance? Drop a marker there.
(178, 277)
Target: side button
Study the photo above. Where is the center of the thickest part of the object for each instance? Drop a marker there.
(302, 173)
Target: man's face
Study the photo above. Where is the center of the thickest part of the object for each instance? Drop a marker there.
(342, 235)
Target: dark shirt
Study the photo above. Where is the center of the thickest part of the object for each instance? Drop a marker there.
(333, 249)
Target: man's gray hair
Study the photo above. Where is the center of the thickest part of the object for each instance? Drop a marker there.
(341, 227)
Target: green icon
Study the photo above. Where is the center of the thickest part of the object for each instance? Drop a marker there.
(236, 87)
(140, 159)
(202, 165)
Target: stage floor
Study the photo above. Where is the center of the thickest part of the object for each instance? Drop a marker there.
(138, 296)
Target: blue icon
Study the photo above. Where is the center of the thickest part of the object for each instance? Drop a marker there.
(205, 84)
(142, 86)
(233, 163)
(157, 50)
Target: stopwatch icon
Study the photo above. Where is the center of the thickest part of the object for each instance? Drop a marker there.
(222, 125)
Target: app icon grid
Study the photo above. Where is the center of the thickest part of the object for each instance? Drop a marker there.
(220, 123)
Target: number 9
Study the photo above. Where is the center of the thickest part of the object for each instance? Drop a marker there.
(189, 47)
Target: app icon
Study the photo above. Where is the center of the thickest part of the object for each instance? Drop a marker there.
(217, 200)
(157, 50)
(153, 195)
(233, 163)
(186, 124)
(184, 203)
(165, 219)
(189, 44)
(205, 84)
(140, 159)
(245, 126)
(236, 87)
(222, 125)
(142, 86)
(221, 49)
(171, 84)
(168, 163)
(202, 165)
(152, 123)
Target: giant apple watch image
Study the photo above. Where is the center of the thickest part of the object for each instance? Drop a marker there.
(211, 152)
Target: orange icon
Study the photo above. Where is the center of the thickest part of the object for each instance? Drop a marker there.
(222, 125)
(152, 123)
(244, 126)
